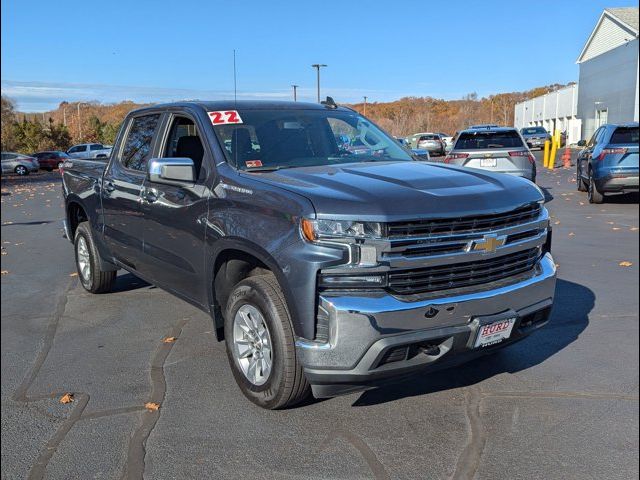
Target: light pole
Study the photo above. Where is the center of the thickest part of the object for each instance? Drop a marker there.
(295, 92)
(364, 111)
(318, 66)
(79, 124)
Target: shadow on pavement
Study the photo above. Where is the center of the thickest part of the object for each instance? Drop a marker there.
(33, 178)
(622, 199)
(128, 282)
(569, 318)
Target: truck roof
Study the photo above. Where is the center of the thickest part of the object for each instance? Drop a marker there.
(241, 105)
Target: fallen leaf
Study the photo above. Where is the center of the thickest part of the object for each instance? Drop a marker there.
(66, 398)
(169, 339)
(152, 406)
(615, 228)
(625, 264)
(557, 223)
(571, 234)
(581, 203)
(633, 229)
(4, 272)
(74, 274)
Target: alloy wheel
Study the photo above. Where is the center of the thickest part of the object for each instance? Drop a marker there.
(252, 344)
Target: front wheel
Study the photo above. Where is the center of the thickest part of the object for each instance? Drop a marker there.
(92, 277)
(261, 345)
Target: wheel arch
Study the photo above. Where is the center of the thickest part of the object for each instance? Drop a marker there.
(231, 261)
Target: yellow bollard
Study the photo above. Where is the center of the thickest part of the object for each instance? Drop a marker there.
(552, 157)
(546, 153)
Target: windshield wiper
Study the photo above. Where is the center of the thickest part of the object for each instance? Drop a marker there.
(268, 169)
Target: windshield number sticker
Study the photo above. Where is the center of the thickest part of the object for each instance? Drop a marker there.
(253, 163)
(224, 117)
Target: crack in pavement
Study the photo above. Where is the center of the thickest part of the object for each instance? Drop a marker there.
(20, 395)
(377, 468)
(469, 459)
(135, 465)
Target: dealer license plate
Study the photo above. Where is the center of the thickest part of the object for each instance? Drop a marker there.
(495, 332)
(488, 162)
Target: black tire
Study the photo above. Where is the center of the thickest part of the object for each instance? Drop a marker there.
(580, 183)
(286, 384)
(96, 280)
(21, 170)
(593, 194)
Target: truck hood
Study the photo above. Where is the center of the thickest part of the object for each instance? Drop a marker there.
(390, 191)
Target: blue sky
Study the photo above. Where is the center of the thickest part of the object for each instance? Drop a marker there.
(162, 51)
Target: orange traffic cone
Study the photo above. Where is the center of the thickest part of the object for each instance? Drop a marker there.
(566, 158)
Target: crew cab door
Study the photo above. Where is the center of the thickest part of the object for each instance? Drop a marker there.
(174, 215)
(122, 189)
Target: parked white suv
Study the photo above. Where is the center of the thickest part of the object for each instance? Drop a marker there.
(89, 150)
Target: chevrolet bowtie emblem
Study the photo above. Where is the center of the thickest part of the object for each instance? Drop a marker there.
(488, 244)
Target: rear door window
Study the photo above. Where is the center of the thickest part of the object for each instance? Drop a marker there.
(625, 135)
(95, 146)
(137, 147)
(488, 140)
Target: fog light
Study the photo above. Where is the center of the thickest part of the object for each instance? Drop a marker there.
(351, 281)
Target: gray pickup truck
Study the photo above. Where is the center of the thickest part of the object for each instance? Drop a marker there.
(329, 258)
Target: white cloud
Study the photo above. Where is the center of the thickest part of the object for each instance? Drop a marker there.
(44, 96)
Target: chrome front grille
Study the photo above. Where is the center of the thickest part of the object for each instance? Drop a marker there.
(458, 275)
(464, 225)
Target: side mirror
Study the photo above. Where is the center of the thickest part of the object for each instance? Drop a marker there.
(582, 143)
(172, 171)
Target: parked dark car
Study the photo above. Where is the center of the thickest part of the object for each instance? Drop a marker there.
(51, 160)
(535, 136)
(609, 162)
(500, 150)
(323, 270)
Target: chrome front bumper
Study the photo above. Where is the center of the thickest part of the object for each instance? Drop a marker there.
(364, 328)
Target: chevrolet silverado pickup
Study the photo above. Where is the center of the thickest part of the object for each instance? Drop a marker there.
(326, 266)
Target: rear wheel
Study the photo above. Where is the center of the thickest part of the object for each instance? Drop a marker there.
(261, 345)
(594, 195)
(60, 164)
(21, 170)
(92, 277)
(581, 184)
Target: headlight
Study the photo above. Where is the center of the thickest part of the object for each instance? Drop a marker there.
(314, 230)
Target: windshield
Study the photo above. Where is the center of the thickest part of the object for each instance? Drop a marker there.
(429, 137)
(269, 139)
(533, 131)
(486, 140)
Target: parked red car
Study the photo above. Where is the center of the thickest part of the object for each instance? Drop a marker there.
(51, 160)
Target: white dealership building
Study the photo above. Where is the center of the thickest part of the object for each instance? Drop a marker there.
(607, 91)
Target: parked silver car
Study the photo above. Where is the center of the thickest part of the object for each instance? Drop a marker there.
(19, 163)
(432, 142)
(501, 150)
(89, 150)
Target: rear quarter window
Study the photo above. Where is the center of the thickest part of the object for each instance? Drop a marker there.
(625, 135)
(489, 140)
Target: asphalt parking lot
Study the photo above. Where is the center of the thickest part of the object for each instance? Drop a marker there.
(561, 404)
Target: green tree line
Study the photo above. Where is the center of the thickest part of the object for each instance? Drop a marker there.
(29, 133)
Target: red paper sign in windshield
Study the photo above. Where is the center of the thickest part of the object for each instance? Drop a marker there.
(224, 117)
